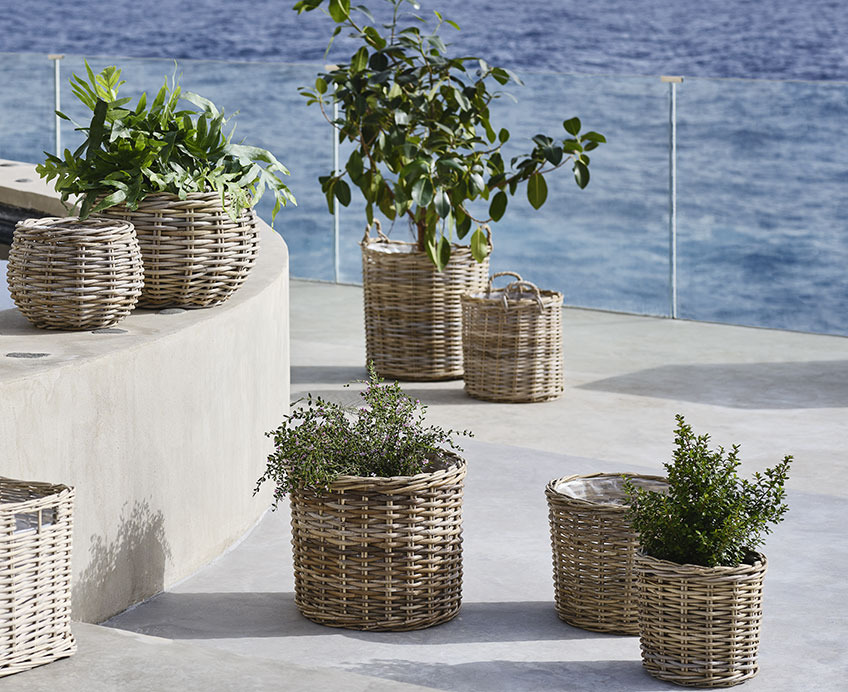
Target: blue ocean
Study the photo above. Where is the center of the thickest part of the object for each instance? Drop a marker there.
(762, 146)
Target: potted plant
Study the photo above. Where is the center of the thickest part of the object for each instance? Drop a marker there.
(376, 501)
(700, 576)
(185, 185)
(425, 151)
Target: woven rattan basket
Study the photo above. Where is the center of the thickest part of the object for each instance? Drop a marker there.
(700, 626)
(593, 550)
(64, 273)
(36, 523)
(194, 254)
(380, 553)
(512, 342)
(413, 315)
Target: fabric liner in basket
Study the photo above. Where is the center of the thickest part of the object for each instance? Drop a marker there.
(512, 342)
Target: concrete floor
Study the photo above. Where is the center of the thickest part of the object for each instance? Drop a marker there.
(234, 624)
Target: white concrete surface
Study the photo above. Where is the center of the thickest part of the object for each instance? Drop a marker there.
(158, 425)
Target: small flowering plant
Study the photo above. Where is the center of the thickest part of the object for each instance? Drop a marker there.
(384, 437)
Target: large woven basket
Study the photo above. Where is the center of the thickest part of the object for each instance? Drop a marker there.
(700, 626)
(593, 550)
(413, 315)
(194, 254)
(380, 553)
(512, 342)
(36, 523)
(64, 273)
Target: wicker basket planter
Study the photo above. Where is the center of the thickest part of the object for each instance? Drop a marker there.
(64, 273)
(593, 551)
(194, 254)
(380, 553)
(36, 523)
(512, 342)
(700, 626)
(413, 315)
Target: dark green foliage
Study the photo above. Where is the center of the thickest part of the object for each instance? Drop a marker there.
(424, 146)
(709, 516)
(129, 153)
(384, 437)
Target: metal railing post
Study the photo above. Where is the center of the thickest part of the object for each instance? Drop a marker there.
(336, 225)
(57, 102)
(672, 192)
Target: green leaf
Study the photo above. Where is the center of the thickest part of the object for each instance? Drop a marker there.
(552, 154)
(321, 85)
(463, 223)
(443, 253)
(443, 203)
(339, 10)
(422, 192)
(503, 135)
(537, 190)
(479, 245)
(581, 174)
(497, 208)
(342, 192)
(359, 60)
(572, 126)
(593, 137)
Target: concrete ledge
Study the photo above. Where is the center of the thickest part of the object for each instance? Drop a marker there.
(158, 423)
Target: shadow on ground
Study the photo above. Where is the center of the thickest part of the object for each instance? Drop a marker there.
(815, 384)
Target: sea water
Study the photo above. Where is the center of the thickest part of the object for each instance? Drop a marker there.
(762, 169)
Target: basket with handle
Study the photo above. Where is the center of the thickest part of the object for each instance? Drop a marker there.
(512, 342)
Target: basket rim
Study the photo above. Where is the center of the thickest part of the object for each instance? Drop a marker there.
(57, 492)
(552, 491)
(458, 466)
(759, 564)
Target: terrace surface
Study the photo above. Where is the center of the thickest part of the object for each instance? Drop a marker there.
(234, 625)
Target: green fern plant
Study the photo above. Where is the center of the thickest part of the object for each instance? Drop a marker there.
(131, 152)
(709, 516)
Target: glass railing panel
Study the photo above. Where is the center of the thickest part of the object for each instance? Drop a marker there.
(26, 112)
(763, 209)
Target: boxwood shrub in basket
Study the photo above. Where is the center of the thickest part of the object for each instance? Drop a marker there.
(709, 516)
(131, 152)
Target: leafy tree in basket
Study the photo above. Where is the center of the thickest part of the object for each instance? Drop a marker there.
(129, 153)
(424, 145)
(709, 516)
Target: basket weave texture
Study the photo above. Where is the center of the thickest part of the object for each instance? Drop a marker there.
(380, 553)
(512, 342)
(64, 273)
(36, 523)
(593, 551)
(413, 314)
(194, 254)
(700, 626)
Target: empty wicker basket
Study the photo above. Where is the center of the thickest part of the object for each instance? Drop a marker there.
(194, 254)
(512, 342)
(64, 273)
(700, 626)
(36, 523)
(380, 553)
(413, 315)
(593, 550)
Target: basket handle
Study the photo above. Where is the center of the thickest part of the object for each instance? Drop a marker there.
(521, 287)
(381, 237)
(496, 275)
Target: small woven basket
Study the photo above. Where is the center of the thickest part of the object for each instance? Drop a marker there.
(194, 254)
(36, 523)
(512, 342)
(700, 626)
(593, 550)
(64, 273)
(380, 553)
(413, 315)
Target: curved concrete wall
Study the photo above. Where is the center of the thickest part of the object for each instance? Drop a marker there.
(159, 427)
